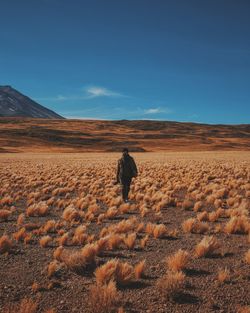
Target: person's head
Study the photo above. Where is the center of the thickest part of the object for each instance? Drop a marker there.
(125, 151)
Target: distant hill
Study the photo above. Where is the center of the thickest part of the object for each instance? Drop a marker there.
(15, 104)
(35, 135)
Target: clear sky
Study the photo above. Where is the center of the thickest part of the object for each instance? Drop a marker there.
(183, 60)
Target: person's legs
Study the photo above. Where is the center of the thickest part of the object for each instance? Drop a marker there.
(125, 188)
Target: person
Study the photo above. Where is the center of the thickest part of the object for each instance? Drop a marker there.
(126, 170)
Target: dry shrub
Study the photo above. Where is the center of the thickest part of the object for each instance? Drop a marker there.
(5, 244)
(111, 212)
(57, 253)
(247, 257)
(237, 224)
(150, 228)
(129, 241)
(206, 247)
(37, 209)
(140, 269)
(160, 231)
(20, 234)
(50, 226)
(122, 273)
(187, 204)
(45, 241)
(75, 261)
(103, 298)
(213, 216)
(89, 253)
(144, 241)
(194, 226)
(4, 214)
(223, 275)
(70, 214)
(53, 268)
(80, 237)
(178, 261)
(26, 306)
(171, 284)
(140, 228)
(63, 240)
(203, 216)
(20, 219)
(114, 241)
(197, 206)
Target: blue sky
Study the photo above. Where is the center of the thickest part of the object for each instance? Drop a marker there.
(183, 60)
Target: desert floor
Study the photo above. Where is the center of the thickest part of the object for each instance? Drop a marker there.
(70, 201)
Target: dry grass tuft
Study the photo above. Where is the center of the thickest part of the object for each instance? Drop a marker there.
(4, 214)
(103, 298)
(45, 241)
(192, 225)
(129, 241)
(206, 247)
(160, 231)
(171, 284)
(5, 244)
(144, 241)
(122, 273)
(237, 224)
(223, 275)
(178, 261)
(140, 269)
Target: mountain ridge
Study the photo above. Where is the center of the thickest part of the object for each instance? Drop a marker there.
(15, 104)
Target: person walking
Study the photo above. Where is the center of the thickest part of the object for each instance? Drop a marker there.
(126, 170)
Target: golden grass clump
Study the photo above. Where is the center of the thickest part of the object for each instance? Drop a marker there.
(45, 241)
(70, 214)
(58, 253)
(140, 269)
(5, 244)
(237, 224)
(80, 237)
(171, 284)
(160, 231)
(223, 275)
(63, 240)
(192, 225)
(206, 247)
(5, 214)
(103, 298)
(203, 216)
(247, 257)
(114, 241)
(129, 241)
(122, 273)
(197, 206)
(20, 219)
(38, 209)
(111, 212)
(150, 228)
(178, 261)
(52, 268)
(20, 234)
(187, 204)
(143, 241)
(50, 226)
(244, 309)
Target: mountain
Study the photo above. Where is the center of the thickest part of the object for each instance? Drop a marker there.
(55, 135)
(15, 104)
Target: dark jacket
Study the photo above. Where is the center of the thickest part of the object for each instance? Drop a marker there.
(126, 168)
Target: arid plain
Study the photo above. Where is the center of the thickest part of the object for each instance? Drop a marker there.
(69, 244)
